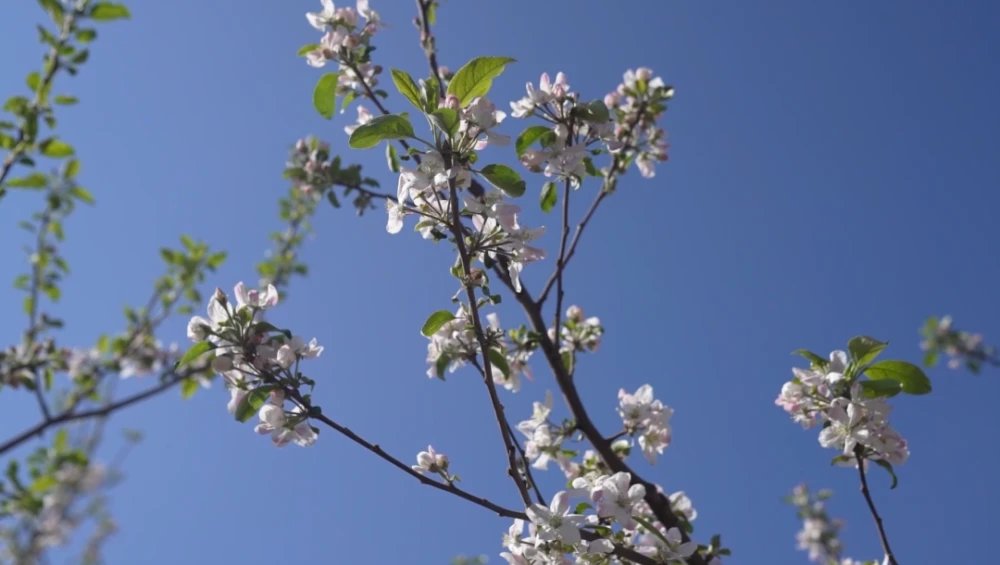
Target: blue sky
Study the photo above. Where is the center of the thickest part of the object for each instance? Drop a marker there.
(831, 174)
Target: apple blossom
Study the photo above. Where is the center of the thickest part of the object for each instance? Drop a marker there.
(616, 498)
(431, 462)
(364, 116)
(556, 522)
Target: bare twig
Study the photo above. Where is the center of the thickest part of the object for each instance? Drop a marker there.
(883, 539)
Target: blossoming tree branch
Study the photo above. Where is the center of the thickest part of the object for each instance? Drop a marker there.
(451, 186)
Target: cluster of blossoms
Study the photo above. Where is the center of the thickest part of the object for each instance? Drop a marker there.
(310, 158)
(499, 234)
(638, 103)
(819, 534)
(18, 361)
(578, 334)
(258, 362)
(850, 421)
(647, 418)
(556, 530)
(346, 41)
(55, 521)
(963, 348)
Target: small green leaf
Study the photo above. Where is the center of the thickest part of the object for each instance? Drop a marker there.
(65, 99)
(841, 459)
(475, 78)
(109, 11)
(441, 365)
(82, 194)
(569, 361)
(305, 49)
(504, 178)
(582, 507)
(61, 442)
(55, 148)
(188, 388)
(435, 321)
(196, 351)
(409, 89)
(930, 358)
(880, 389)
(594, 111)
(34, 180)
(391, 158)
(325, 95)
(549, 197)
(346, 101)
(888, 467)
(379, 129)
(42, 484)
(266, 327)
(911, 377)
(816, 360)
(432, 93)
(864, 349)
(72, 168)
(86, 35)
(529, 136)
(446, 119)
(252, 402)
(33, 80)
(498, 362)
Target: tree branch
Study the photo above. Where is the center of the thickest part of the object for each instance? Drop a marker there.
(883, 539)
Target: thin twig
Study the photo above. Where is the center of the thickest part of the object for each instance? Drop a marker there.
(871, 507)
(561, 261)
(70, 415)
(36, 285)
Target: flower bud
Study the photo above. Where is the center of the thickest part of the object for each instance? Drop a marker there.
(643, 73)
(611, 99)
(477, 276)
(219, 296)
(452, 101)
(300, 145)
(574, 313)
(444, 72)
(278, 397)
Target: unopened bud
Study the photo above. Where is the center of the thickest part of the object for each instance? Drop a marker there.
(300, 145)
(477, 276)
(219, 296)
(574, 313)
(644, 73)
(377, 69)
(444, 72)
(611, 99)
(452, 101)
(278, 397)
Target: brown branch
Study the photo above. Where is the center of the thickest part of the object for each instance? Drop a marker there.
(70, 415)
(428, 42)
(883, 539)
(449, 488)
(561, 261)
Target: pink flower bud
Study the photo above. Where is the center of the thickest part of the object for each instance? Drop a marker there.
(452, 101)
(444, 71)
(219, 296)
(611, 99)
(311, 166)
(300, 145)
(644, 73)
(574, 313)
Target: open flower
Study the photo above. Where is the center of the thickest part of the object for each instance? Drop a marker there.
(555, 522)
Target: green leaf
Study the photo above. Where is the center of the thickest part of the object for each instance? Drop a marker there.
(33, 80)
(582, 507)
(55, 148)
(432, 93)
(42, 484)
(816, 360)
(346, 101)
(594, 111)
(499, 362)
(446, 120)
(880, 389)
(435, 321)
(65, 99)
(888, 467)
(409, 89)
(569, 361)
(864, 349)
(379, 129)
(475, 77)
(109, 11)
(391, 158)
(441, 365)
(61, 442)
(196, 351)
(34, 180)
(504, 178)
(252, 402)
(911, 377)
(266, 327)
(549, 196)
(72, 168)
(86, 35)
(930, 358)
(82, 194)
(529, 136)
(188, 388)
(305, 49)
(325, 95)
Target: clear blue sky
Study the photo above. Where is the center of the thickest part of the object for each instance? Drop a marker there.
(830, 175)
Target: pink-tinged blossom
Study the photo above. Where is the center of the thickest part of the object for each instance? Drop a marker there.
(273, 421)
(616, 498)
(364, 116)
(546, 93)
(479, 119)
(254, 298)
(555, 522)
